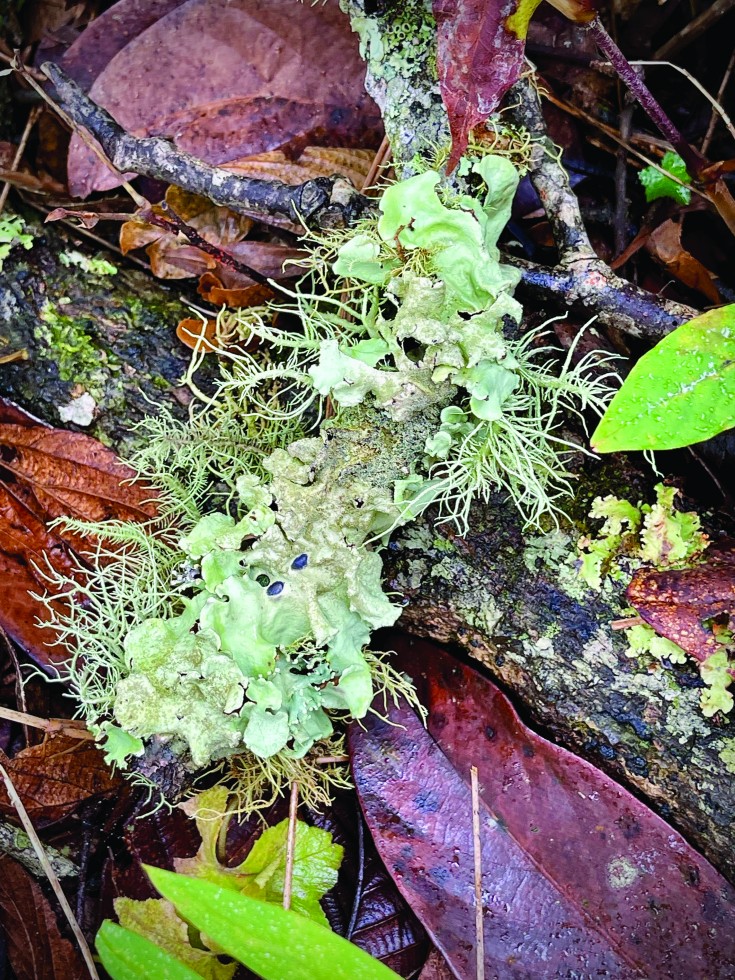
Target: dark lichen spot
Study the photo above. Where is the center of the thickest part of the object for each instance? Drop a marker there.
(426, 801)
(300, 562)
(489, 732)
(638, 765)
(440, 875)
(275, 589)
(528, 752)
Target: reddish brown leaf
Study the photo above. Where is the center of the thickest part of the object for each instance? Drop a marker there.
(212, 289)
(579, 877)
(665, 245)
(55, 776)
(47, 473)
(480, 49)
(198, 335)
(108, 34)
(255, 80)
(677, 604)
(36, 948)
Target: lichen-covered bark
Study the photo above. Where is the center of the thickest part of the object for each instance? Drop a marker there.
(515, 603)
(397, 41)
(101, 349)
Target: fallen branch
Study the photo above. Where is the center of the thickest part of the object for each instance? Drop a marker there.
(581, 279)
(325, 202)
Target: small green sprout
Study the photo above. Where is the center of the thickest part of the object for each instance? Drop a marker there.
(657, 184)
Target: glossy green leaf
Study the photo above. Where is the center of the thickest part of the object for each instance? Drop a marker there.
(127, 956)
(275, 943)
(679, 393)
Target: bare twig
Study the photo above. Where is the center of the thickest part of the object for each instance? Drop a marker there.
(52, 726)
(48, 869)
(477, 846)
(30, 123)
(720, 95)
(290, 845)
(709, 16)
(581, 280)
(323, 202)
(16, 844)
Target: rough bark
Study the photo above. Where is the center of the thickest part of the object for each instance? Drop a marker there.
(515, 603)
(101, 350)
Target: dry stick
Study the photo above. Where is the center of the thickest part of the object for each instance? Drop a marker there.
(52, 726)
(80, 132)
(32, 117)
(379, 161)
(48, 869)
(477, 845)
(694, 28)
(581, 279)
(290, 844)
(720, 95)
(321, 202)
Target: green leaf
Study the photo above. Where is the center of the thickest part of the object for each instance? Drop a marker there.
(679, 393)
(658, 185)
(119, 744)
(156, 919)
(127, 956)
(275, 943)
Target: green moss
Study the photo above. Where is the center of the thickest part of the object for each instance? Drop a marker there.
(71, 346)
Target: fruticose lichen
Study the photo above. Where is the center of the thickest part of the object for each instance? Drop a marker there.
(236, 626)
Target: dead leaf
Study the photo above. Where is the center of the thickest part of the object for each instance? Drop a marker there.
(198, 334)
(45, 474)
(55, 776)
(315, 161)
(255, 80)
(664, 244)
(677, 604)
(35, 947)
(213, 291)
(579, 876)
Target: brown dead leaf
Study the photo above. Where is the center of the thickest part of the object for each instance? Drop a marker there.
(198, 335)
(36, 949)
(212, 289)
(72, 475)
(315, 161)
(665, 245)
(255, 80)
(55, 776)
(48, 473)
(677, 604)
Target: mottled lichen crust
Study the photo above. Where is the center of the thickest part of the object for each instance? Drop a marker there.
(399, 48)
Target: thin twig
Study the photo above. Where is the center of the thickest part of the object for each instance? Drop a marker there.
(700, 88)
(30, 123)
(720, 96)
(379, 161)
(48, 869)
(328, 760)
(709, 16)
(477, 846)
(52, 726)
(360, 873)
(290, 845)
(626, 624)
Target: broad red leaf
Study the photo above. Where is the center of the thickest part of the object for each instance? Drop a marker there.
(36, 948)
(229, 78)
(678, 604)
(55, 776)
(47, 473)
(579, 877)
(480, 49)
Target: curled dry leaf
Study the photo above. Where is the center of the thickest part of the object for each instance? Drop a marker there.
(55, 776)
(678, 604)
(254, 79)
(579, 877)
(665, 245)
(35, 947)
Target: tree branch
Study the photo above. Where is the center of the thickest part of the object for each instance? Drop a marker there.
(581, 280)
(325, 202)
